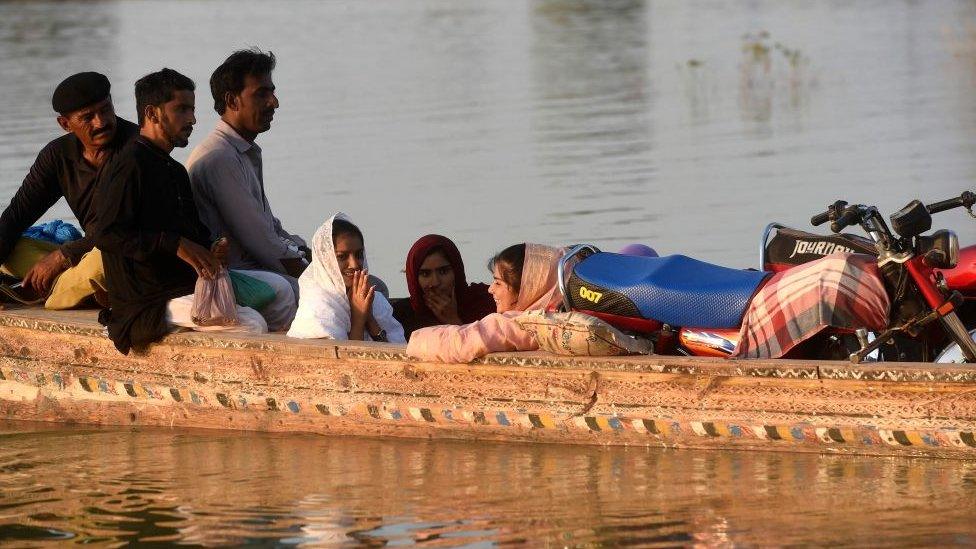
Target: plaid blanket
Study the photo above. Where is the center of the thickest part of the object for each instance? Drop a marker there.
(841, 290)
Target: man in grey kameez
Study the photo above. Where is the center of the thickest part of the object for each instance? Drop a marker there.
(226, 173)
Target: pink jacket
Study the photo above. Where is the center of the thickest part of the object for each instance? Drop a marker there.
(493, 333)
(496, 332)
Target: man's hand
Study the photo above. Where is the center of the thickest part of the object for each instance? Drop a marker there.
(40, 277)
(294, 266)
(220, 249)
(198, 257)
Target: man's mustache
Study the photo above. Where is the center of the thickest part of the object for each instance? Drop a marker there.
(105, 129)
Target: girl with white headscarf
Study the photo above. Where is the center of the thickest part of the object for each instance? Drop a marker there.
(336, 300)
(524, 279)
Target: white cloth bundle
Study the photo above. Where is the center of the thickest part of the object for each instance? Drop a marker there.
(323, 306)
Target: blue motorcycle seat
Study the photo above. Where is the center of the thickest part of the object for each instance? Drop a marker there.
(675, 289)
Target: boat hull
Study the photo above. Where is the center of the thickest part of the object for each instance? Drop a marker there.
(60, 368)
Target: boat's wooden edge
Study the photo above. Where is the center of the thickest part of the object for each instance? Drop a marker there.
(60, 367)
(84, 323)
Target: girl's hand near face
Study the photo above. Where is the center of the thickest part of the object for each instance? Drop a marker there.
(360, 303)
(444, 306)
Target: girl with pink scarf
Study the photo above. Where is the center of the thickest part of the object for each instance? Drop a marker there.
(524, 280)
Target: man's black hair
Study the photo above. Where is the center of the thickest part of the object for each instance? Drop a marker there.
(157, 88)
(229, 76)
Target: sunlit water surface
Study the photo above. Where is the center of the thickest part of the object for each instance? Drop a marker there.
(197, 487)
(685, 125)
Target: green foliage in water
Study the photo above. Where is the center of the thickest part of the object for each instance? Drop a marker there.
(757, 50)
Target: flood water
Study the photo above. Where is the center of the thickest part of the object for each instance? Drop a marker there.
(686, 125)
(217, 488)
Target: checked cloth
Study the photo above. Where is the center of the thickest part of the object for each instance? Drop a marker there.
(840, 290)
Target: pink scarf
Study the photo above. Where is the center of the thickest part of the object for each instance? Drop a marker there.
(539, 286)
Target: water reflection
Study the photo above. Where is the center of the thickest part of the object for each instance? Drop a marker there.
(591, 121)
(228, 488)
(769, 69)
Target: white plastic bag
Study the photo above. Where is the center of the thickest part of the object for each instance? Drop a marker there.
(213, 301)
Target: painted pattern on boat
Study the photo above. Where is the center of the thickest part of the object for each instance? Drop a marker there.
(661, 429)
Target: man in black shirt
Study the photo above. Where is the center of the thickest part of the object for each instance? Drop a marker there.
(68, 167)
(153, 243)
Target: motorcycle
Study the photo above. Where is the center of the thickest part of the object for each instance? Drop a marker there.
(694, 308)
(790, 247)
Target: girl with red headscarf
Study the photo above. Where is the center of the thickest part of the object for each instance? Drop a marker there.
(439, 291)
(525, 279)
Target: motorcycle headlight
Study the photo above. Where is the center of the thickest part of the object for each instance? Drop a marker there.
(940, 249)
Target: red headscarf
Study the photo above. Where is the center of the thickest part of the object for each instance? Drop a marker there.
(474, 302)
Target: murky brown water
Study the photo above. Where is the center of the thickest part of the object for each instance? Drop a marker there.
(208, 488)
(686, 125)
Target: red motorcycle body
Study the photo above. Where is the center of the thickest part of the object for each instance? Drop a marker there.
(962, 277)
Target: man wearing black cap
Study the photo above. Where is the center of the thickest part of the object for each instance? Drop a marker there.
(67, 167)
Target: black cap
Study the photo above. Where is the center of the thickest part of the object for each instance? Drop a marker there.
(80, 90)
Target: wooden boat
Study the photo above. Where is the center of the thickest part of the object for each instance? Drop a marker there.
(60, 367)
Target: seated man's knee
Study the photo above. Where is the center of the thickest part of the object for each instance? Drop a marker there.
(284, 293)
(281, 311)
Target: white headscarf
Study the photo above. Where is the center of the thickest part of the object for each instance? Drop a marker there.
(323, 306)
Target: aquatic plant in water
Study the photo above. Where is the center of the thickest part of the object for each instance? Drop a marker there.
(961, 43)
(770, 73)
(765, 65)
(697, 87)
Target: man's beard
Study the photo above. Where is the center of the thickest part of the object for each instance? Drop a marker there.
(175, 137)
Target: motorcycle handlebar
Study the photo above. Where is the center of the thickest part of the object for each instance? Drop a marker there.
(965, 200)
(849, 217)
(831, 213)
(820, 218)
